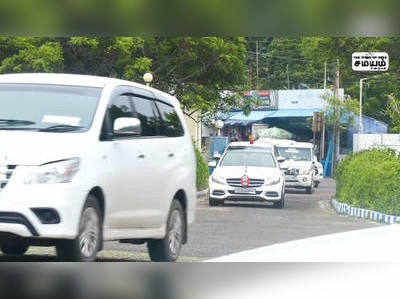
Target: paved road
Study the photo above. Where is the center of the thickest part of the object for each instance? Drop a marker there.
(236, 227)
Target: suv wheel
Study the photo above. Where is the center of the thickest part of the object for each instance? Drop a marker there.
(310, 190)
(169, 248)
(15, 247)
(85, 247)
(212, 202)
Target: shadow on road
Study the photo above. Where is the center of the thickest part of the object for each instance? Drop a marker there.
(249, 205)
(52, 259)
(296, 191)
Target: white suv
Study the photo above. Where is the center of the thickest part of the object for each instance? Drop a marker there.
(87, 159)
(298, 162)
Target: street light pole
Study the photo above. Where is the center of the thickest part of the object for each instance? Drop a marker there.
(361, 129)
(148, 78)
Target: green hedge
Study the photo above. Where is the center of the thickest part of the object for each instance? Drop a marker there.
(202, 171)
(370, 180)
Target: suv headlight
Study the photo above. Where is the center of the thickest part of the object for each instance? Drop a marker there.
(272, 181)
(218, 180)
(54, 173)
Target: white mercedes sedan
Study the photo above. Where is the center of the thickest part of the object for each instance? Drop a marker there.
(247, 172)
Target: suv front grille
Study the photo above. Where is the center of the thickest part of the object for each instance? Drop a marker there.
(254, 183)
(6, 172)
(292, 171)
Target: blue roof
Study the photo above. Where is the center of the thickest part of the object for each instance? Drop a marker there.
(238, 118)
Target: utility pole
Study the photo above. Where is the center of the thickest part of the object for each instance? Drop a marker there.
(337, 81)
(288, 79)
(335, 130)
(257, 64)
(325, 76)
(250, 79)
(322, 147)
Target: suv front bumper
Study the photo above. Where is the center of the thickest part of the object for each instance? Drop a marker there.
(18, 218)
(299, 181)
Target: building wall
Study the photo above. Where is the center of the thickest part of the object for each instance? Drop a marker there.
(195, 128)
(303, 98)
(367, 141)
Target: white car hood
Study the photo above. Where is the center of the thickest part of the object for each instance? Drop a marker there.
(36, 148)
(252, 172)
(296, 164)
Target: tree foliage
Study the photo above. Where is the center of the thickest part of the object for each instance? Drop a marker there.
(339, 112)
(305, 59)
(194, 69)
(393, 110)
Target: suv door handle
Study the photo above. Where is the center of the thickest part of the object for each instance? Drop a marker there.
(141, 156)
(171, 155)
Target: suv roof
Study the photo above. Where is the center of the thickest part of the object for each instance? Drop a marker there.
(248, 144)
(284, 142)
(77, 80)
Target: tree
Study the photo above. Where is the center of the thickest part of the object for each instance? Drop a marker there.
(393, 111)
(30, 55)
(303, 59)
(284, 60)
(194, 69)
(198, 70)
(337, 116)
(321, 49)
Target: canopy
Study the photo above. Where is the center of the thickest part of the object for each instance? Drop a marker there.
(275, 133)
(238, 118)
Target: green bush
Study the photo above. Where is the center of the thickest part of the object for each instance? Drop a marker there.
(202, 171)
(370, 180)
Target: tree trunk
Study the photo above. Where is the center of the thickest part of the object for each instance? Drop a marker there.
(333, 150)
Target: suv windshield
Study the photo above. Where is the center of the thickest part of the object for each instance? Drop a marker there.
(252, 158)
(51, 108)
(295, 153)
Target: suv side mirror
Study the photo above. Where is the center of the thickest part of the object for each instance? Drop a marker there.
(280, 159)
(217, 156)
(126, 126)
(212, 164)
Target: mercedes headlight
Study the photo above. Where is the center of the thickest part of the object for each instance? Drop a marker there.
(272, 181)
(54, 173)
(218, 180)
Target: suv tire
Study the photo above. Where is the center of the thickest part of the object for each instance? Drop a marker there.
(212, 202)
(15, 247)
(168, 249)
(85, 246)
(310, 190)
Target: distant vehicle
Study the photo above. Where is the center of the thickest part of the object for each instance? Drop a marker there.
(247, 172)
(87, 159)
(298, 162)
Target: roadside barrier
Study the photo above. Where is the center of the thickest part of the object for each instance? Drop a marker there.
(345, 209)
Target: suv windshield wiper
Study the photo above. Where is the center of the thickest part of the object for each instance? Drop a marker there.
(16, 122)
(61, 128)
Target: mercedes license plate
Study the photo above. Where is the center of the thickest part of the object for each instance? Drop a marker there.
(245, 190)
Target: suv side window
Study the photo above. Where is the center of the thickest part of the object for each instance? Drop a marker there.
(121, 106)
(145, 111)
(171, 124)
